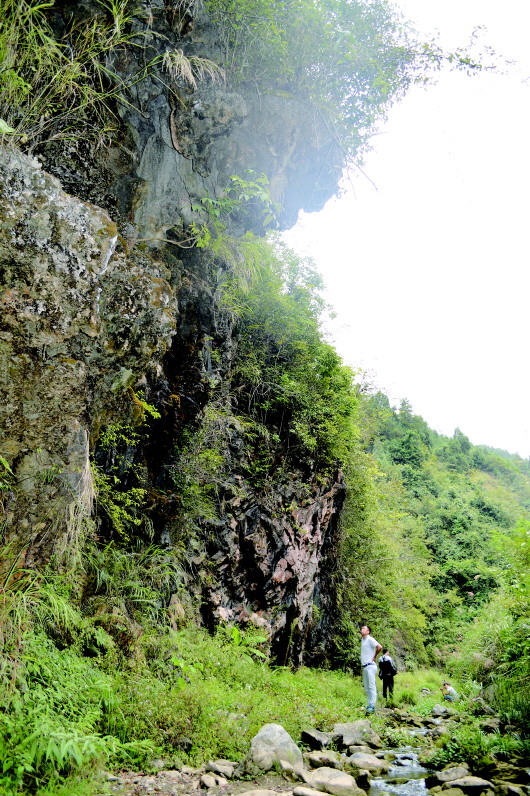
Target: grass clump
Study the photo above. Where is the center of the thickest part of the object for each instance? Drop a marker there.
(57, 86)
(406, 698)
(420, 689)
(466, 745)
(210, 700)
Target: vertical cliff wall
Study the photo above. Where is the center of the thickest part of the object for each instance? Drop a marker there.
(98, 308)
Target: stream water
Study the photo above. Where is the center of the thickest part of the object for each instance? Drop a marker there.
(405, 777)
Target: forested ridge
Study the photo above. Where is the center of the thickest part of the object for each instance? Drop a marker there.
(200, 503)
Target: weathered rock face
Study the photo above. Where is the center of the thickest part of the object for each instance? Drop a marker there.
(79, 324)
(267, 563)
(357, 732)
(82, 324)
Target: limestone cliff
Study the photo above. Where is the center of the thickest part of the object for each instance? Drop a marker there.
(99, 309)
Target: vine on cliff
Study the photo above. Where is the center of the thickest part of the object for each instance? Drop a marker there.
(349, 60)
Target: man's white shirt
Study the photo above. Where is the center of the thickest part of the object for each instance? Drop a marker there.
(368, 648)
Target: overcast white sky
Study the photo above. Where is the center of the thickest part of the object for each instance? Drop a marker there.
(429, 270)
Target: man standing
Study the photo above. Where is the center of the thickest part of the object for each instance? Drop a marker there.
(370, 648)
(387, 672)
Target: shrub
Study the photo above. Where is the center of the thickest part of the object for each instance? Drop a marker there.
(348, 61)
(51, 725)
(467, 745)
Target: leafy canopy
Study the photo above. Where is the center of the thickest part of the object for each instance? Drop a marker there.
(351, 59)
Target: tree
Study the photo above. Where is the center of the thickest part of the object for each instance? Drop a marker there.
(349, 59)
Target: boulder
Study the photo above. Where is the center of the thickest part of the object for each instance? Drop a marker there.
(271, 745)
(360, 748)
(213, 781)
(357, 732)
(470, 785)
(415, 721)
(303, 790)
(439, 711)
(490, 724)
(327, 758)
(437, 732)
(364, 762)
(292, 772)
(399, 715)
(332, 781)
(316, 739)
(509, 789)
(225, 768)
(508, 772)
(481, 707)
(447, 775)
(443, 711)
(427, 721)
(362, 778)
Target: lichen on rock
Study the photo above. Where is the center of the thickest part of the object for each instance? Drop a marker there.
(75, 313)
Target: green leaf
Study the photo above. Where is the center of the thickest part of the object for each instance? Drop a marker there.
(3, 462)
(5, 128)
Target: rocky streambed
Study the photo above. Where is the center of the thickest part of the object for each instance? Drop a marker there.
(351, 760)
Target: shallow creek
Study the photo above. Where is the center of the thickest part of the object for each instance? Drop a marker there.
(405, 777)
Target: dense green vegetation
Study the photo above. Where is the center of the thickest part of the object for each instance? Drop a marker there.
(463, 509)
(287, 378)
(350, 60)
(101, 666)
(56, 86)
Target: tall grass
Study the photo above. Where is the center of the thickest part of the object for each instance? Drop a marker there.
(209, 700)
(191, 70)
(419, 690)
(57, 87)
